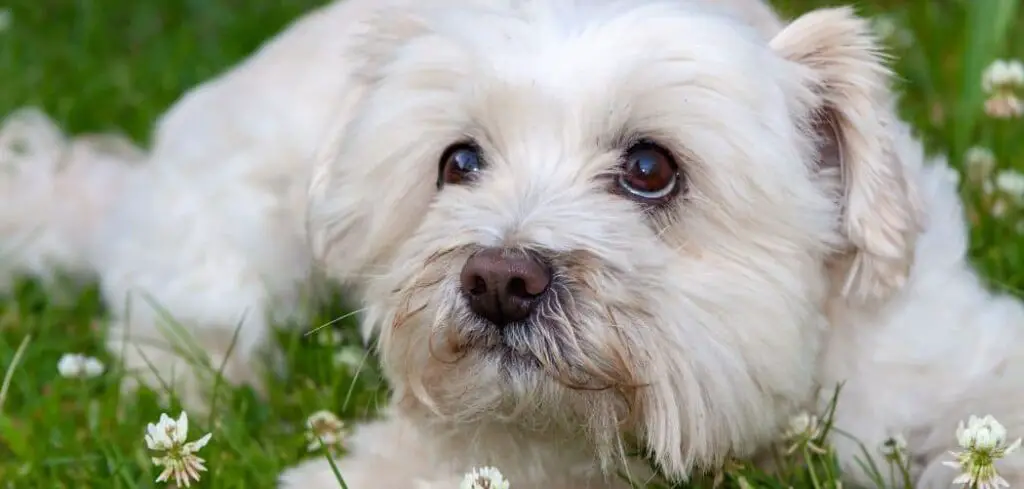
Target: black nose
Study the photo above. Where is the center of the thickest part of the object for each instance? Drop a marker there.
(504, 285)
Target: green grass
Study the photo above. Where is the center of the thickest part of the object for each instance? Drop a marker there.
(115, 66)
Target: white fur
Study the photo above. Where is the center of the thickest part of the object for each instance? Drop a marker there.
(778, 273)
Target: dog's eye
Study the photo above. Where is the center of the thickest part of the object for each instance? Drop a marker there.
(649, 173)
(459, 164)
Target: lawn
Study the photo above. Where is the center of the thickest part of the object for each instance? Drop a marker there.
(115, 66)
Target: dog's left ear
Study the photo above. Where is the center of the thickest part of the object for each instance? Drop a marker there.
(851, 111)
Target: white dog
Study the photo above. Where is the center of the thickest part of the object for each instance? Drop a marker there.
(570, 225)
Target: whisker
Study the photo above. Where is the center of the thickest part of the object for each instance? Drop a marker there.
(334, 321)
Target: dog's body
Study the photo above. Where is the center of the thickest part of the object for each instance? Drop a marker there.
(752, 295)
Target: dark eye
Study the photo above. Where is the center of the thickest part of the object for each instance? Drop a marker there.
(649, 174)
(459, 164)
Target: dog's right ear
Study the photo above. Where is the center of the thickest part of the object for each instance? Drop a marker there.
(851, 113)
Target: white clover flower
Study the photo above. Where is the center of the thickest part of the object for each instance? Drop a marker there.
(167, 432)
(803, 431)
(1000, 81)
(981, 433)
(979, 163)
(887, 29)
(5, 19)
(179, 461)
(1011, 183)
(1003, 75)
(484, 478)
(884, 26)
(323, 428)
(803, 424)
(327, 336)
(76, 365)
(983, 441)
(999, 208)
(1004, 106)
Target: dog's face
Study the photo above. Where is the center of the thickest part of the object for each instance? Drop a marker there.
(615, 218)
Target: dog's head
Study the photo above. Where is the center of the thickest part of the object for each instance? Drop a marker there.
(621, 217)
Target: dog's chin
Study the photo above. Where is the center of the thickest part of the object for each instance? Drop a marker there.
(504, 384)
(510, 363)
(514, 382)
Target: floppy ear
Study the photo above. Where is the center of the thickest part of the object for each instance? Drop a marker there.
(854, 118)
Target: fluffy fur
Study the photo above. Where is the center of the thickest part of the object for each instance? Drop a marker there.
(813, 243)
